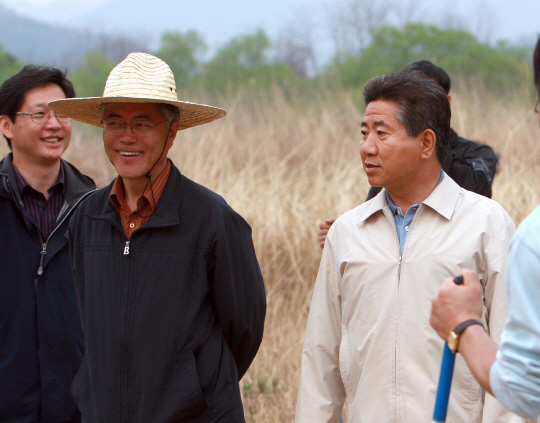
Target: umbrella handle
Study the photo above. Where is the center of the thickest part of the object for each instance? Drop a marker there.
(445, 377)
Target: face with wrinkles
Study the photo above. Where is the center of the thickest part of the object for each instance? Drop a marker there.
(132, 155)
(389, 155)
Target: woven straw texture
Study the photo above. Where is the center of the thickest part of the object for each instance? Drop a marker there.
(139, 78)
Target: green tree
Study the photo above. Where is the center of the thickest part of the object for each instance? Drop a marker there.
(89, 80)
(456, 51)
(183, 52)
(9, 65)
(244, 61)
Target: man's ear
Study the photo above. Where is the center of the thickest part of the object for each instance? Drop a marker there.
(5, 126)
(172, 132)
(428, 141)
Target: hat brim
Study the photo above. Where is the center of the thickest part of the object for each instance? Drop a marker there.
(88, 109)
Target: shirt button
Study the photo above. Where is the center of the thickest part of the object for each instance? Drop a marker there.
(132, 225)
(399, 212)
(407, 228)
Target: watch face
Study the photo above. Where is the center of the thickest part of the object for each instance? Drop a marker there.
(452, 341)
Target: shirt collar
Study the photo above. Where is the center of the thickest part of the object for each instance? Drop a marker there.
(443, 199)
(395, 208)
(22, 184)
(149, 197)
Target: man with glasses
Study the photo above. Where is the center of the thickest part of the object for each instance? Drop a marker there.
(41, 341)
(169, 290)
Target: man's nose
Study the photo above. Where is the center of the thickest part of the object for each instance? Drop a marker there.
(53, 121)
(128, 135)
(368, 147)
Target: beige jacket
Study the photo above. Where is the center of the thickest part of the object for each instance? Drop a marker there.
(368, 337)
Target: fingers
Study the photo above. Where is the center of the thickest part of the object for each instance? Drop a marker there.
(440, 313)
(326, 224)
(438, 323)
(470, 277)
(324, 227)
(456, 303)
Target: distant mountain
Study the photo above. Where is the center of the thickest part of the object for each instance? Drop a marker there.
(217, 20)
(33, 41)
(58, 12)
(60, 31)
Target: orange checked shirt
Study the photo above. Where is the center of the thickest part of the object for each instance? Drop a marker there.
(145, 205)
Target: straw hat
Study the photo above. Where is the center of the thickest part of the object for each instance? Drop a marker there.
(139, 78)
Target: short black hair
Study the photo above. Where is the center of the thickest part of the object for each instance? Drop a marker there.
(422, 102)
(536, 62)
(14, 89)
(432, 71)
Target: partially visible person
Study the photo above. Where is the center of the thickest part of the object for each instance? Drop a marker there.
(368, 341)
(510, 371)
(170, 293)
(41, 341)
(472, 165)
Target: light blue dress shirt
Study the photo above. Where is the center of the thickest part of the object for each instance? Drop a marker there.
(515, 376)
(403, 221)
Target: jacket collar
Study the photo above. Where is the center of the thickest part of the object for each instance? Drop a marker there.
(76, 184)
(453, 139)
(443, 200)
(8, 184)
(165, 214)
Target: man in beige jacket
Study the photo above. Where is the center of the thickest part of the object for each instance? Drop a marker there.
(368, 338)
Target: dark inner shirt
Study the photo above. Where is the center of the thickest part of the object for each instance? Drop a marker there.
(44, 211)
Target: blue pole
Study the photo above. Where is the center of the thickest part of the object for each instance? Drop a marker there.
(445, 383)
(445, 377)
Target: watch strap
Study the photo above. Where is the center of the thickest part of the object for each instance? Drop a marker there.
(458, 330)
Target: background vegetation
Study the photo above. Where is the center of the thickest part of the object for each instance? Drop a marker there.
(253, 62)
(285, 163)
(286, 155)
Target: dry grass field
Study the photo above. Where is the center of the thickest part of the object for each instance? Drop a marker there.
(287, 164)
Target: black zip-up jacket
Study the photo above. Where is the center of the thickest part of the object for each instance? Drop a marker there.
(41, 342)
(472, 165)
(172, 317)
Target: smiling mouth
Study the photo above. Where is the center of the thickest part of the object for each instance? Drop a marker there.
(51, 140)
(130, 153)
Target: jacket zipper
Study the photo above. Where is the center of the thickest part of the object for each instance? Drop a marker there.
(46, 243)
(43, 244)
(127, 401)
(396, 410)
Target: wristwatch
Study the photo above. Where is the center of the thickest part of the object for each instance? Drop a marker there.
(453, 336)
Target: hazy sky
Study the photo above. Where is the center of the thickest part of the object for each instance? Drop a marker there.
(491, 20)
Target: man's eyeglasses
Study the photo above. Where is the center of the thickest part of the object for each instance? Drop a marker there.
(40, 117)
(140, 127)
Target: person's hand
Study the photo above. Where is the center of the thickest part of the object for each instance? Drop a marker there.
(456, 303)
(323, 230)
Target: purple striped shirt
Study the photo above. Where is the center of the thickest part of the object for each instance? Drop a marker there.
(44, 211)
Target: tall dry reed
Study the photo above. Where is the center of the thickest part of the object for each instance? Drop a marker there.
(285, 165)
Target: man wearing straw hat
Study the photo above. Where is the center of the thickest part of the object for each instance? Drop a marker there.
(169, 290)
